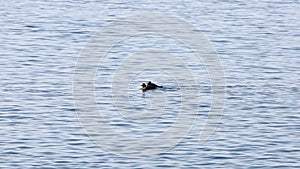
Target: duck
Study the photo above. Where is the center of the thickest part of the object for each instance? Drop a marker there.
(150, 86)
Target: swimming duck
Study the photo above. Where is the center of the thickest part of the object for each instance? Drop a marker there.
(150, 86)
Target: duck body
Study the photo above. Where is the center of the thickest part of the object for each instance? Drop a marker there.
(153, 85)
(150, 86)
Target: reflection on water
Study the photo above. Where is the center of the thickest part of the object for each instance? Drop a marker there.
(258, 45)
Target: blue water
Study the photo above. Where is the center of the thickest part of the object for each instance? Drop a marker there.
(257, 43)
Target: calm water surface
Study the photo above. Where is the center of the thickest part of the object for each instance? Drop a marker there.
(258, 45)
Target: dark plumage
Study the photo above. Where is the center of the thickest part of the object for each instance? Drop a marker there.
(150, 86)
